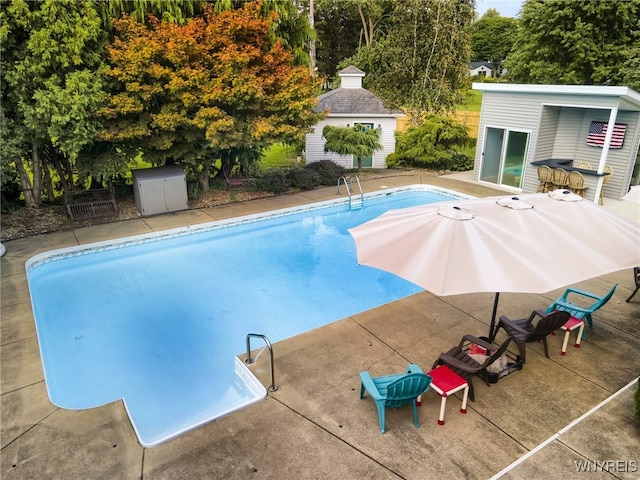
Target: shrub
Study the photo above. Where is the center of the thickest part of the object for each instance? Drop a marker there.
(394, 160)
(193, 190)
(328, 171)
(436, 143)
(459, 162)
(304, 178)
(274, 181)
(10, 189)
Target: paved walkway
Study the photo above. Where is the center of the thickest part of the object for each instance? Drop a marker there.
(557, 416)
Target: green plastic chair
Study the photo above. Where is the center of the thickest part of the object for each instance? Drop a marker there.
(577, 311)
(391, 391)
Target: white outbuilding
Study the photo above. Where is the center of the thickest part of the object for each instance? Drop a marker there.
(562, 126)
(348, 105)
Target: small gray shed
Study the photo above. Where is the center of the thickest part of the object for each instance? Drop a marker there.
(524, 126)
(160, 190)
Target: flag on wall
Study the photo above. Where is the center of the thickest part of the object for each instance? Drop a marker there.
(598, 130)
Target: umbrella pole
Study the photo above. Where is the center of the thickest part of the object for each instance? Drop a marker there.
(492, 327)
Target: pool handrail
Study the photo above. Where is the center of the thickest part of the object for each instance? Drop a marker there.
(273, 387)
(349, 187)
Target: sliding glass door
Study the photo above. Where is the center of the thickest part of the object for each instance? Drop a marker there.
(503, 156)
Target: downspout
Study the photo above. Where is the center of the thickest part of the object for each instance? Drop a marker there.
(605, 151)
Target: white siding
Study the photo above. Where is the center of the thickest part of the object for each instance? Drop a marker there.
(351, 81)
(559, 125)
(518, 112)
(314, 144)
(620, 159)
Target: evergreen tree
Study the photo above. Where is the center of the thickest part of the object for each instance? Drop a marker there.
(357, 141)
(492, 38)
(51, 85)
(569, 42)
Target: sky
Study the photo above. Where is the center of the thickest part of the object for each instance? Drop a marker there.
(506, 8)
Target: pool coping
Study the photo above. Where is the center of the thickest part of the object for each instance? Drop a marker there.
(94, 247)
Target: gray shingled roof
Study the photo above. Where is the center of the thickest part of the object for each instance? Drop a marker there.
(475, 65)
(353, 100)
(351, 70)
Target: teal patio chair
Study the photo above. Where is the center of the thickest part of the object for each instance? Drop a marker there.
(391, 391)
(580, 311)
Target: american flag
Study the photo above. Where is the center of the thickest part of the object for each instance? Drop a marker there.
(598, 130)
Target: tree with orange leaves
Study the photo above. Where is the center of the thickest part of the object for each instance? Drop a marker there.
(219, 87)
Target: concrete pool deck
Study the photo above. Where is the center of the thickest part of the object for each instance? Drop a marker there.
(315, 425)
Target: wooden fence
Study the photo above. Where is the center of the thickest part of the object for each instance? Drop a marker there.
(471, 120)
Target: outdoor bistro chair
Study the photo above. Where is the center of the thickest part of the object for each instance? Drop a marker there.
(576, 183)
(608, 172)
(545, 175)
(395, 390)
(577, 306)
(583, 165)
(560, 178)
(524, 331)
(458, 359)
(231, 180)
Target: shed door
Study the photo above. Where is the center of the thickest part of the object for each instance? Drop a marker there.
(367, 162)
(503, 156)
(175, 193)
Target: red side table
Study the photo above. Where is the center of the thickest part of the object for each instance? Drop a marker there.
(446, 382)
(569, 327)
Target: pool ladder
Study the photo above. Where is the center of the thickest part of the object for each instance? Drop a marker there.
(354, 202)
(273, 387)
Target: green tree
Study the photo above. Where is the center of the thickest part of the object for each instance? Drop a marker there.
(433, 143)
(51, 85)
(569, 42)
(357, 141)
(492, 38)
(631, 68)
(374, 15)
(422, 63)
(219, 87)
(343, 27)
(176, 11)
(291, 27)
(337, 27)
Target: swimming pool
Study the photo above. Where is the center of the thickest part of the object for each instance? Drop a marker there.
(158, 320)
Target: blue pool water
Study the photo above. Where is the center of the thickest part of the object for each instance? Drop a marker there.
(158, 320)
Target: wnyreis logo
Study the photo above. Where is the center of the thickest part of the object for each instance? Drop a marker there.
(610, 466)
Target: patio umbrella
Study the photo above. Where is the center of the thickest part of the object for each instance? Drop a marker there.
(633, 195)
(531, 243)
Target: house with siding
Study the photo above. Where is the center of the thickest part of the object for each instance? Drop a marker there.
(484, 69)
(524, 126)
(348, 105)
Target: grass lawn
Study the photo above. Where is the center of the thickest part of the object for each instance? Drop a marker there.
(473, 101)
(279, 156)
